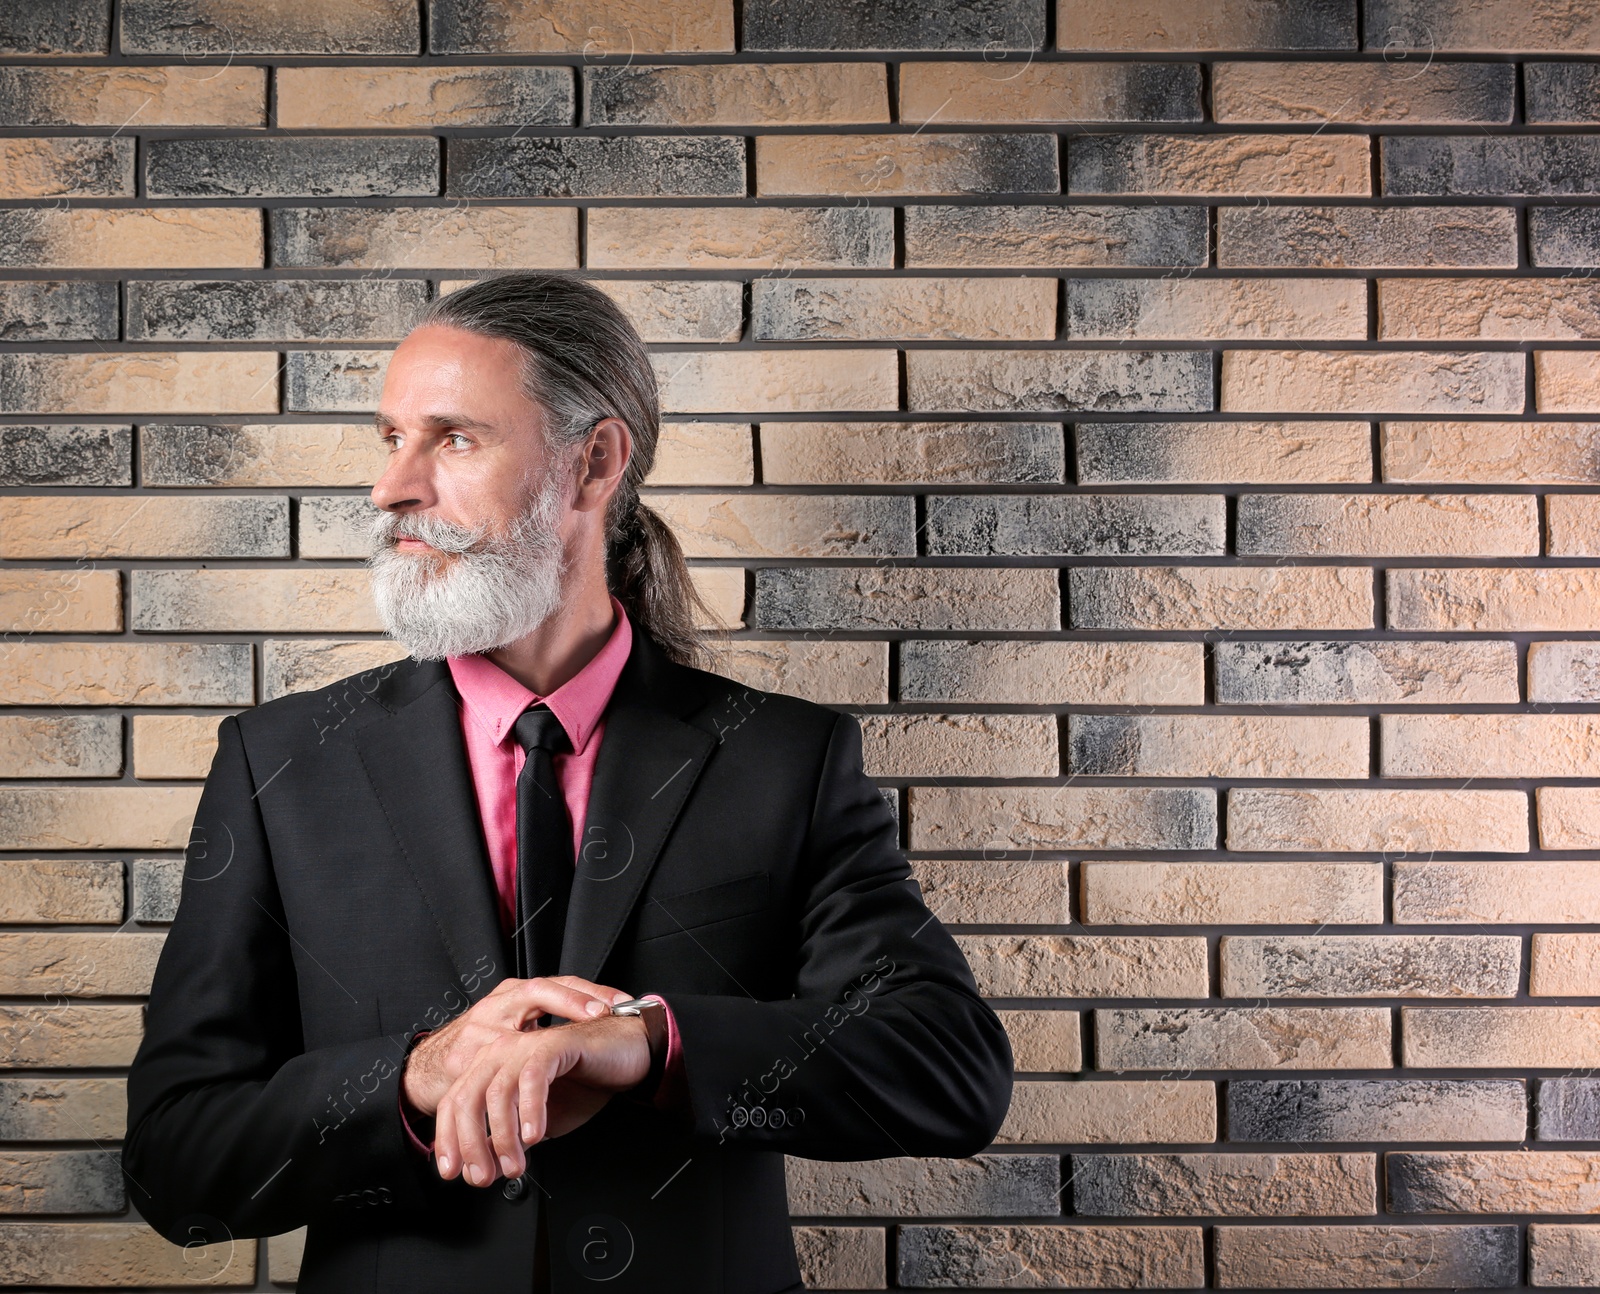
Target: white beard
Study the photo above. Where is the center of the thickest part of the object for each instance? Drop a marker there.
(495, 590)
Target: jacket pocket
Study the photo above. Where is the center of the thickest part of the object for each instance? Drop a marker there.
(667, 914)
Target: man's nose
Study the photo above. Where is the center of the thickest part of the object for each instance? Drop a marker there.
(405, 484)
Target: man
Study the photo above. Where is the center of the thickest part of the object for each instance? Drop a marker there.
(412, 899)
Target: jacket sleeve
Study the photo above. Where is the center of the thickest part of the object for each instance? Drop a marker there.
(886, 1047)
(234, 1129)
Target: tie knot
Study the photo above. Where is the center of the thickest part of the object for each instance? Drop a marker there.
(537, 727)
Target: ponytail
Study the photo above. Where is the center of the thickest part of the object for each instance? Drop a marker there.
(646, 571)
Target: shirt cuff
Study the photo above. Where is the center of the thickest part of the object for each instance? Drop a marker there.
(423, 1148)
(671, 1093)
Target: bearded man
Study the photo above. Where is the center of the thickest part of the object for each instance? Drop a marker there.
(522, 963)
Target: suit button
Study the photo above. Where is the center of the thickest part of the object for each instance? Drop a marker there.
(515, 1187)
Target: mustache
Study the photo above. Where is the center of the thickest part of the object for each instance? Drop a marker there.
(446, 536)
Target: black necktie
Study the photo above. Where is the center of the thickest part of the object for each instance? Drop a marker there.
(544, 845)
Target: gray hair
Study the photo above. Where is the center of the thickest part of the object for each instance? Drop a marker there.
(586, 362)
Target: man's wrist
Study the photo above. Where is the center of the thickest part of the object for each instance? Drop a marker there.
(652, 1013)
(420, 1125)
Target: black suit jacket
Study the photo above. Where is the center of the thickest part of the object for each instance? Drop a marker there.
(337, 898)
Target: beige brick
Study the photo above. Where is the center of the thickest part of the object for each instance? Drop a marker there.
(1367, 672)
(928, 309)
(140, 382)
(261, 454)
(1564, 671)
(1366, 1257)
(1388, 525)
(1569, 817)
(61, 1181)
(1221, 597)
(1553, 26)
(122, 817)
(840, 1258)
(1053, 673)
(136, 97)
(1036, 93)
(90, 525)
(1107, 1112)
(594, 28)
(1443, 599)
(722, 591)
(894, 453)
(1514, 893)
(704, 453)
(970, 892)
(1218, 1037)
(126, 673)
(790, 525)
(1267, 453)
(669, 310)
(916, 163)
(960, 745)
(1217, 745)
(1559, 1254)
(77, 745)
(66, 167)
(1491, 1181)
(1221, 165)
(1067, 966)
(997, 820)
(750, 94)
(1093, 25)
(233, 601)
(1565, 965)
(1500, 1037)
(63, 1109)
(426, 238)
(1216, 309)
(1378, 820)
(1355, 382)
(284, 1256)
(368, 98)
(78, 965)
(1394, 90)
(332, 526)
(62, 1034)
(738, 238)
(1044, 1041)
(305, 664)
(1490, 745)
(1564, 381)
(1180, 894)
(1052, 1257)
(776, 381)
(1389, 965)
(59, 601)
(73, 890)
(1502, 309)
(985, 1185)
(828, 672)
(173, 745)
(1572, 523)
(145, 238)
(1492, 453)
(1231, 1184)
(117, 1254)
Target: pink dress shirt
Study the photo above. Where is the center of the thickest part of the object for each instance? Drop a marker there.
(492, 701)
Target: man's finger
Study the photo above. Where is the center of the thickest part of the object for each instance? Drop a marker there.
(500, 1104)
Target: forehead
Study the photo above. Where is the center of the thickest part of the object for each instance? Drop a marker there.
(436, 366)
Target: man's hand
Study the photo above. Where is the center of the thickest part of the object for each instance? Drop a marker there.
(533, 1085)
(512, 1006)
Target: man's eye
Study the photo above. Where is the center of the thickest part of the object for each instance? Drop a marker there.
(456, 435)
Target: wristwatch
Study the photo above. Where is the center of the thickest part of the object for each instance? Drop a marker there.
(654, 1015)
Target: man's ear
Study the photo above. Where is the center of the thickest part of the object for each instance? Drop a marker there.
(602, 462)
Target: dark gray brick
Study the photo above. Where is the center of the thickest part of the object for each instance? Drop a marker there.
(1289, 237)
(347, 381)
(1562, 236)
(194, 454)
(981, 1186)
(574, 166)
(58, 310)
(1233, 1183)
(155, 884)
(1568, 1109)
(976, 25)
(333, 167)
(286, 309)
(1451, 165)
(1562, 94)
(1372, 1109)
(904, 598)
(1154, 92)
(59, 454)
(73, 27)
(1164, 236)
(62, 1181)
(1176, 381)
(1076, 525)
(224, 27)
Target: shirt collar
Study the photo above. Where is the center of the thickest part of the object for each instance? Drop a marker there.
(495, 700)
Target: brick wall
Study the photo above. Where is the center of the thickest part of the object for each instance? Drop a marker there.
(1169, 424)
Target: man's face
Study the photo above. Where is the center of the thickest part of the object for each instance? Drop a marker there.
(468, 547)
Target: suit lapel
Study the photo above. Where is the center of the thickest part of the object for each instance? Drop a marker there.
(648, 763)
(412, 750)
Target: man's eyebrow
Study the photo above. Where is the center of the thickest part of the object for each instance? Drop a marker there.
(381, 420)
